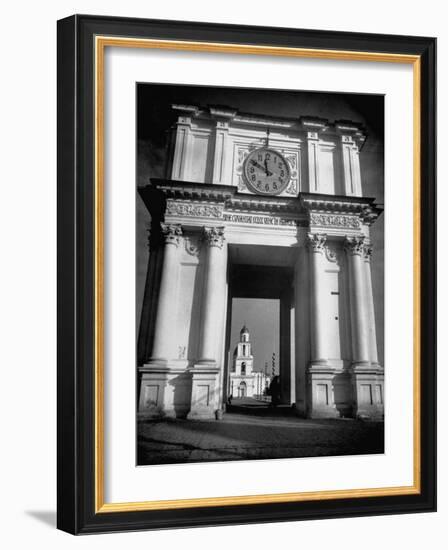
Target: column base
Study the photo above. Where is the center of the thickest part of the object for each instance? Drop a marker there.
(320, 391)
(205, 390)
(165, 390)
(368, 391)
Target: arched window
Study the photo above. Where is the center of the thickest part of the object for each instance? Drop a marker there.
(243, 368)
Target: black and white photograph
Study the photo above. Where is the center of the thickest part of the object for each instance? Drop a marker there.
(219, 291)
(259, 274)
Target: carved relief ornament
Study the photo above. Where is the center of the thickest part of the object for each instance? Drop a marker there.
(355, 245)
(335, 220)
(171, 233)
(331, 254)
(367, 251)
(214, 236)
(194, 210)
(316, 242)
(192, 245)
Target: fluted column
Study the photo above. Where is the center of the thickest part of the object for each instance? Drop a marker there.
(166, 314)
(367, 253)
(316, 247)
(354, 247)
(214, 288)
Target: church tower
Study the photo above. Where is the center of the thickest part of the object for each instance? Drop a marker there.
(243, 358)
(241, 377)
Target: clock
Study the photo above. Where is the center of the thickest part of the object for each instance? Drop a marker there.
(266, 171)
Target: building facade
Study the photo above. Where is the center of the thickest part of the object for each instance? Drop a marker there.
(257, 206)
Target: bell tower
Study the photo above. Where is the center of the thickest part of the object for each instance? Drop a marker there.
(244, 359)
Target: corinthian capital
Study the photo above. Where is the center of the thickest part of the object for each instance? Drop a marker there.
(214, 236)
(316, 242)
(171, 233)
(367, 251)
(354, 245)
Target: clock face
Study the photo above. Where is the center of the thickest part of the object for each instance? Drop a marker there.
(266, 171)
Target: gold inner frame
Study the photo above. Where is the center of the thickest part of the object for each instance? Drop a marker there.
(101, 42)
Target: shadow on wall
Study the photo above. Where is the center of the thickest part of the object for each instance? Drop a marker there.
(181, 394)
(342, 395)
(47, 517)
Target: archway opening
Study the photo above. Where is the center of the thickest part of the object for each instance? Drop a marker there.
(260, 300)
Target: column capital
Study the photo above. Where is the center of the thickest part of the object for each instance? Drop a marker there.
(354, 245)
(171, 233)
(214, 236)
(316, 242)
(367, 251)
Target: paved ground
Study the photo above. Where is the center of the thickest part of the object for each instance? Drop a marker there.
(252, 430)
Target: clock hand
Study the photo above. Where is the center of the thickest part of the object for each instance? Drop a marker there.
(268, 173)
(255, 163)
(258, 165)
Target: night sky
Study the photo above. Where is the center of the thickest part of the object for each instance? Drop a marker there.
(154, 118)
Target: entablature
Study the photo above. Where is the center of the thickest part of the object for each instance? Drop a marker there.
(195, 204)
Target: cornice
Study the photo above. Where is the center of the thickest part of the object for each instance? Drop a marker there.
(364, 207)
(160, 191)
(195, 191)
(264, 204)
(300, 124)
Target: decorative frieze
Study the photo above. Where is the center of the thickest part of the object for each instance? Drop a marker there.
(214, 236)
(171, 233)
(335, 220)
(316, 242)
(194, 210)
(355, 245)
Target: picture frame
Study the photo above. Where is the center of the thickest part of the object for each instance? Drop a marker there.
(82, 42)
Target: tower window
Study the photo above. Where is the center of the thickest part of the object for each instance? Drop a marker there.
(243, 368)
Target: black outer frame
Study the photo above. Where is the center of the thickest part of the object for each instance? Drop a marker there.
(75, 403)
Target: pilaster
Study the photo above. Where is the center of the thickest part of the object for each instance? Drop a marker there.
(312, 128)
(219, 158)
(182, 148)
(351, 139)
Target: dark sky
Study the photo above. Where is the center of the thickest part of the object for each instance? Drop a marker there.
(154, 118)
